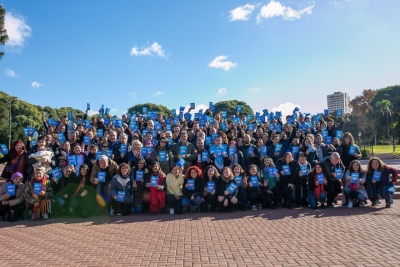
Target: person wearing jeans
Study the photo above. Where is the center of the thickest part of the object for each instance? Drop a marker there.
(381, 179)
(316, 188)
(354, 189)
(193, 188)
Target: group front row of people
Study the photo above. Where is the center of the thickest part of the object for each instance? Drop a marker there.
(124, 189)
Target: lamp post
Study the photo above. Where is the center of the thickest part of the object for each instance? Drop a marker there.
(391, 117)
(359, 136)
(9, 122)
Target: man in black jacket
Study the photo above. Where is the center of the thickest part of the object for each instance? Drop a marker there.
(334, 186)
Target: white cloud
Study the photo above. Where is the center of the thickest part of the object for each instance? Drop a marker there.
(241, 13)
(198, 107)
(17, 30)
(158, 93)
(133, 95)
(286, 109)
(152, 50)
(222, 91)
(276, 9)
(10, 73)
(92, 112)
(113, 109)
(36, 84)
(219, 63)
(255, 89)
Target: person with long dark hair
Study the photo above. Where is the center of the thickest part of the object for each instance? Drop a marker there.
(354, 189)
(317, 182)
(122, 190)
(211, 176)
(15, 160)
(380, 180)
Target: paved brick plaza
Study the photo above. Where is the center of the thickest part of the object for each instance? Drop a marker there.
(338, 237)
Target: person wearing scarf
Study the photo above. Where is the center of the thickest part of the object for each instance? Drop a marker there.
(39, 204)
(157, 193)
(12, 207)
(316, 191)
(122, 190)
(15, 160)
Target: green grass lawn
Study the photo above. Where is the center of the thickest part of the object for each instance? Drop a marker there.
(382, 149)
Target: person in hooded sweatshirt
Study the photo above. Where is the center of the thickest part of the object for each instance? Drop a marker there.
(122, 190)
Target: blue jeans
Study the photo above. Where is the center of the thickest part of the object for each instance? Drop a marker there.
(312, 201)
(186, 202)
(350, 195)
(386, 192)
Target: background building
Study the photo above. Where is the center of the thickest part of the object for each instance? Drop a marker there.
(339, 100)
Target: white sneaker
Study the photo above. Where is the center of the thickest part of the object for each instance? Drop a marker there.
(45, 216)
(362, 204)
(254, 207)
(171, 211)
(350, 204)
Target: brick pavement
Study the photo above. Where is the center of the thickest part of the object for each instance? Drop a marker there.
(298, 237)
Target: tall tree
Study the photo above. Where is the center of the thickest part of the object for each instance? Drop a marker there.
(3, 32)
(384, 108)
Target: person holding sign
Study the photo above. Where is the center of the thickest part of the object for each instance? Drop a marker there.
(219, 154)
(300, 174)
(120, 151)
(250, 152)
(241, 180)
(80, 158)
(163, 155)
(275, 151)
(122, 190)
(270, 194)
(142, 194)
(348, 150)
(14, 159)
(39, 195)
(174, 190)
(254, 183)
(209, 196)
(227, 191)
(12, 195)
(354, 189)
(381, 179)
(61, 190)
(103, 171)
(193, 189)
(333, 186)
(190, 154)
(317, 182)
(322, 150)
(136, 152)
(309, 150)
(82, 199)
(157, 183)
(286, 171)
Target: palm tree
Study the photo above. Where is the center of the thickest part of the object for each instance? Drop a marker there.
(3, 32)
(384, 108)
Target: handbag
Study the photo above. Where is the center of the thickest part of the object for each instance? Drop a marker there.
(13, 167)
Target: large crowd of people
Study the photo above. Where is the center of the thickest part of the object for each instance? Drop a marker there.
(211, 162)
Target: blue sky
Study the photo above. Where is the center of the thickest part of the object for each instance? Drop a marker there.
(271, 54)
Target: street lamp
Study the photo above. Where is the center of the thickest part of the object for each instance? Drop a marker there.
(391, 117)
(359, 136)
(9, 122)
